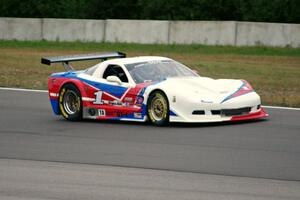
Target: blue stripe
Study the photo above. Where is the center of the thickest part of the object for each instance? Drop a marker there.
(54, 104)
(172, 113)
(116, 91)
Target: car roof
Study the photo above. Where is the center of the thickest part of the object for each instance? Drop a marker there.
(130, 60)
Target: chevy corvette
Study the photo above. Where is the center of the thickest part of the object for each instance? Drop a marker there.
(145, 88)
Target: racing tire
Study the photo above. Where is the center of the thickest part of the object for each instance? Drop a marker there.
(70, 104)
(158, 108)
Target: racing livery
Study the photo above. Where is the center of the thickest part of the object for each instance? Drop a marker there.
(144, 88)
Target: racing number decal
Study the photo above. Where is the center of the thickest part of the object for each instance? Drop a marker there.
(101, 112)
(98, 97)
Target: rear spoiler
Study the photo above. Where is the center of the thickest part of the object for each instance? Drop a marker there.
(66, 59)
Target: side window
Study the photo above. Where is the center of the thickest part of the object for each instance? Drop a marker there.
(115, 70)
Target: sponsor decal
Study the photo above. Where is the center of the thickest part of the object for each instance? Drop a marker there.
(174, 99)
(61, 103)
(51, 94)
(205, 101)
(118, 113)
(128, 99)
(224, 92)
(137, 115)
(139, 100)
(115, 103)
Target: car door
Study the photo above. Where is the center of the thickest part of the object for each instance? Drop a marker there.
(113, 88)
(111, 95)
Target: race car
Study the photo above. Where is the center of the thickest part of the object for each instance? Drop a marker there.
(144, 88)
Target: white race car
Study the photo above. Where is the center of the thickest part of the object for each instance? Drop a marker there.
(151, 88)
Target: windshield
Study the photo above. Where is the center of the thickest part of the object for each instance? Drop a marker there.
(158, 70)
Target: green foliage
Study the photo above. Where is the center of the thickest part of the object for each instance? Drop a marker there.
(189, 10)
(241, 10)
(155, 49)
(271, 11)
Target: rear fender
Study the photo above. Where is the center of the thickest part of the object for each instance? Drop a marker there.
(55, 84)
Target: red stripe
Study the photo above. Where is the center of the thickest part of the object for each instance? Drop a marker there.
(257, 115)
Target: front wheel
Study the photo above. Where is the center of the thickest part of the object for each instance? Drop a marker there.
(70, 104)
(158, 108)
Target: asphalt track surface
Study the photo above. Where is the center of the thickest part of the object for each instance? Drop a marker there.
(36, 180)
(266, 149)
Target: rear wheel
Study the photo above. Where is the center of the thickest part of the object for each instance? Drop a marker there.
(158, 108)
(70, 104)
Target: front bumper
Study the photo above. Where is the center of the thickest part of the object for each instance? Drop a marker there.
(244, 107)
(259, 114)
(256, 115)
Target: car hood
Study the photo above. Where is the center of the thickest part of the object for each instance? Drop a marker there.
(208, 89)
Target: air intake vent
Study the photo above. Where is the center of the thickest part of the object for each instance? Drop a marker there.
(198, 112)
(234, 112)
(216, 112)
(231, 112)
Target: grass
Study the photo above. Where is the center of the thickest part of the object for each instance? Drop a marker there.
(273, 72)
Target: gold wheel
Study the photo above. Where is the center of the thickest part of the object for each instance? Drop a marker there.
(158, 108)
(70, 102)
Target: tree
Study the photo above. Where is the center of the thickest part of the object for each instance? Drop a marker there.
(240, 10)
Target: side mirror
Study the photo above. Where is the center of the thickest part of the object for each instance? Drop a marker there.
(114, 79)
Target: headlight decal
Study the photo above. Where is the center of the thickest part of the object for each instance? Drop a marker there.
(245, 88)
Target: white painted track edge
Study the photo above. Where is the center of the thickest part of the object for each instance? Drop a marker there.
(22, 89)
(44, 91)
